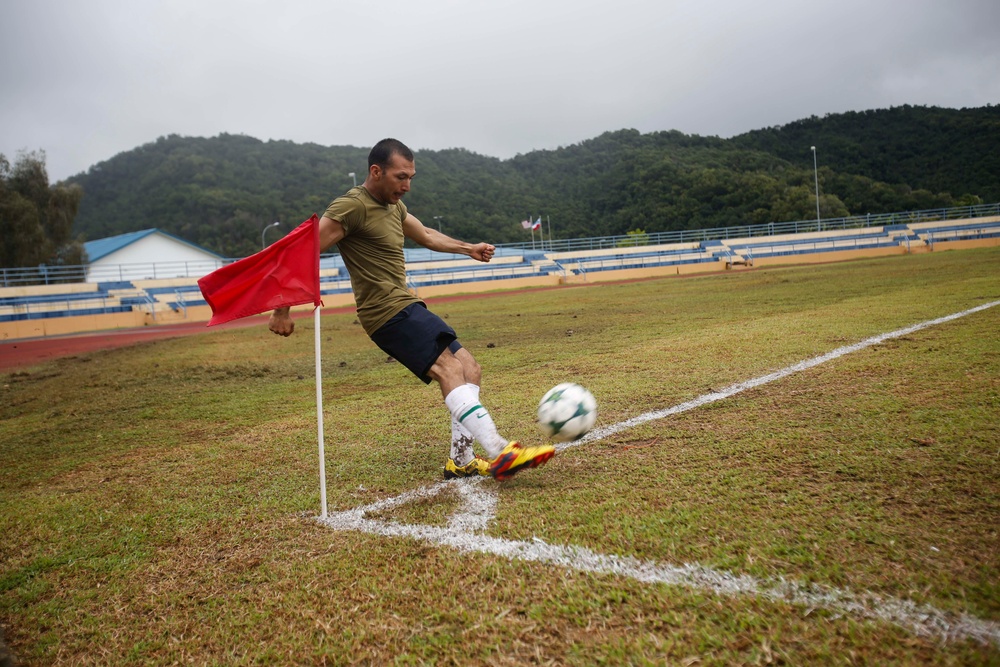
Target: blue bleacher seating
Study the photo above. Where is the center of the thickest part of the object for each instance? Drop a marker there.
(426, 269)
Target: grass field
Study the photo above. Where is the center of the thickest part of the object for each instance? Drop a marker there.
(158, 503)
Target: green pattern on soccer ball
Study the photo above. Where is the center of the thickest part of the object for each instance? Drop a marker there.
(558, 426)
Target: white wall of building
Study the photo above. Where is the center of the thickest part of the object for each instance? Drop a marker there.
(153, 256)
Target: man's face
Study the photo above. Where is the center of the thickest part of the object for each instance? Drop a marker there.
(394, 181)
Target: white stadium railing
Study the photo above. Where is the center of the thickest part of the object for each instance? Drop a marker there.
(43, 275)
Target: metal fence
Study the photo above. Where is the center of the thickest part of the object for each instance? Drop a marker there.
(766, 229)
(44, 275)
(59, 307)
(107, 273)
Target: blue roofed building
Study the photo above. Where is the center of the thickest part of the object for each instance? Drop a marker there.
(147, 254)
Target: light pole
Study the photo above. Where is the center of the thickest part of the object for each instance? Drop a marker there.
(816, 176)
(354, 178)
(264, 231)
(438, 218)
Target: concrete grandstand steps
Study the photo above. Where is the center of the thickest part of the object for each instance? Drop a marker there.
(428, 273)
(330, 272)
(459, 264)
(737, 261)
(635, 258)
(38, 310)
(470, 274)
(129, 296)
(546, 266)
(815, 242)
(171, 296)
(940, 231)
(62, 306)
(52, 298)
(36, 291)
(165, 315)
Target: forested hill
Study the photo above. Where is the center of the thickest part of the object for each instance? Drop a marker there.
(222, 191)
(941, 150)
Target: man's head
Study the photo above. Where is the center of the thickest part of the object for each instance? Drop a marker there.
(390, 170)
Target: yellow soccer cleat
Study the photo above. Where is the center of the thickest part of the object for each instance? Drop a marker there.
(516, 457)
(477, 466)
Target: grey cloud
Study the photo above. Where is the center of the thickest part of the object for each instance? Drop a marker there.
(84, 81)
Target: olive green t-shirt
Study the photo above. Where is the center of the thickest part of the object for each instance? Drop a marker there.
(372, 249)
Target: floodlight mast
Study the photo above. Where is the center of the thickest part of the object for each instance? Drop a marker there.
(273, 224)
(816, 177)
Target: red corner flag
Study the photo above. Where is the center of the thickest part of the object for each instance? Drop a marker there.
(284, 274)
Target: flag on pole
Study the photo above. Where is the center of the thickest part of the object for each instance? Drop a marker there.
(526, 223)
(284, 274)
(537, 224)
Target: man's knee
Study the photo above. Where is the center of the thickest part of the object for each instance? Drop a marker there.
(470, 367)
(447, 365)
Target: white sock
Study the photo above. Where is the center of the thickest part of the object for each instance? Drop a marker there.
(463, 402)
(461, 444)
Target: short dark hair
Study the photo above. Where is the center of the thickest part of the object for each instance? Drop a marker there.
(383, 151)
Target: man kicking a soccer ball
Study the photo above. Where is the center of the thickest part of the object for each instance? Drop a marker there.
(368, 225)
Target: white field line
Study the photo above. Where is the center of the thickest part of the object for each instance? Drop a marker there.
(465, 533)
(705, 399)
(922, 620)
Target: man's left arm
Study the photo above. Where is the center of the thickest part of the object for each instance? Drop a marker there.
(435, 240)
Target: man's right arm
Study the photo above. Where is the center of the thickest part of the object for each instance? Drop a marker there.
(330, 233)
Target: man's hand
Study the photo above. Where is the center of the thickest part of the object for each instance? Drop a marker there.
(482, 251)
(281, 322)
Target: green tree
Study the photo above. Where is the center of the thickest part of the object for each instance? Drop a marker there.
(220, 192)
(633, 238)
(36, 219)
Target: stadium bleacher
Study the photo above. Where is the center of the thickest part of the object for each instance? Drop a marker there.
(425, 269)
(931, 232)
(838, 242)
(30, 304)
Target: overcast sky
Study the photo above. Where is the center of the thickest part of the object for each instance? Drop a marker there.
(84, 81)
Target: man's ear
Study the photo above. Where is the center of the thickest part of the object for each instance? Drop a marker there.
(375, 171)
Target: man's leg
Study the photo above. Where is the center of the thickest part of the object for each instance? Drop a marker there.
(461, 439)
(470, 367)
(455, 373)
(412, 337)
(462, 452)
(458, 376)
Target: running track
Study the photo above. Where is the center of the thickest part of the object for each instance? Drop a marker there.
(15, 354)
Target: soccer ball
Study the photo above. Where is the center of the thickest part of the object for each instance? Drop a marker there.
(567, 412)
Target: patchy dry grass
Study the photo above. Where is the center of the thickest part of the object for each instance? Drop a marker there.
(156, 502)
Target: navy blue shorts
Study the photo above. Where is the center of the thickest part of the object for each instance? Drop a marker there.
(416, 337)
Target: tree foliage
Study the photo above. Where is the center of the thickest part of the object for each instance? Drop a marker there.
(221, 192)
(36, 219)
(929, 149)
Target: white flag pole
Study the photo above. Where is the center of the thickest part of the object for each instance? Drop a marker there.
(319, 421)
